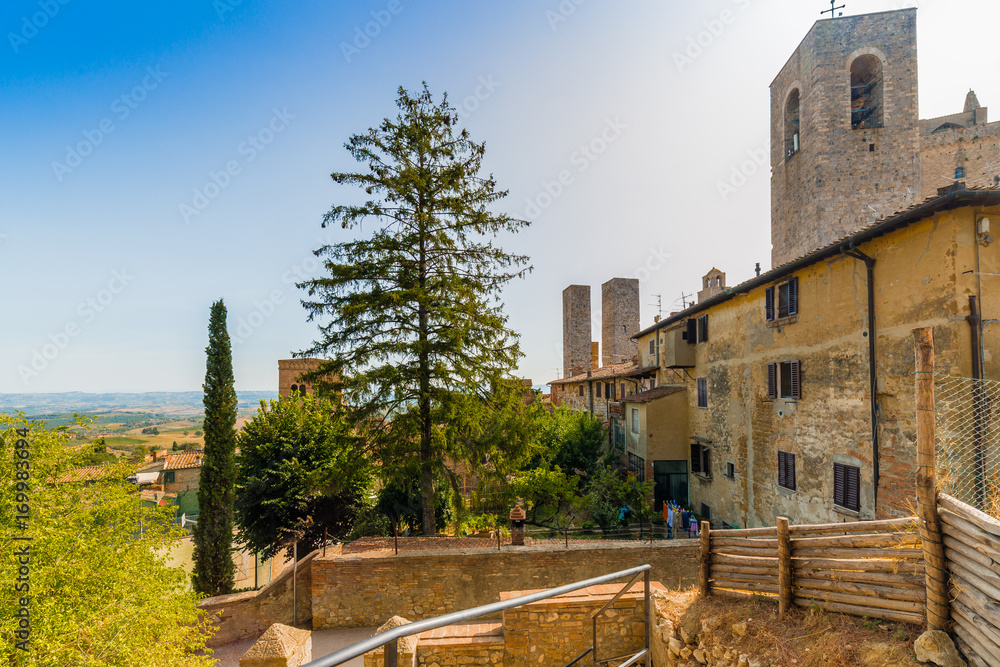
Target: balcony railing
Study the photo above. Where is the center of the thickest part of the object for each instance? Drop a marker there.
(390, 638)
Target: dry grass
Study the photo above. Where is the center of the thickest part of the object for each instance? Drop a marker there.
(804, 638)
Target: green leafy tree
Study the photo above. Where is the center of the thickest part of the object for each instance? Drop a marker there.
(411, 311)
(102, 592)
(302, 470)
(611, 491)
(551, 496)
(214, 569)
(572, 440)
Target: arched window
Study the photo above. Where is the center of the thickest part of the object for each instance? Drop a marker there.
(792, 124)
(866, 93)
(295, 388)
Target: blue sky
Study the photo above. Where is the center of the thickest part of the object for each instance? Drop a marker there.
(119, 121)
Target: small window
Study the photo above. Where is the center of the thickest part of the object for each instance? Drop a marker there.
(792, 124)
(706, 512)
(652, 347)
(960, 172)
(703, 328)
(847, 486)
(784, 380)
(581, 390)
(168, 477)
(786, 470)
(635, 420)
(599, 389)
(866, 93)
(701, 459)
(731, 470)
(610, 390)
(295, 388)
(782, 300)
(702, 392)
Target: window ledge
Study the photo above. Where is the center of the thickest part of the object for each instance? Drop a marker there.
(782, 321)
(703, 476)
(854, 514)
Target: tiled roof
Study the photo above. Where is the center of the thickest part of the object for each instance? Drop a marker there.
(86, 474)
(185, 460)
(652, 394)
(626, 369)
(954, 197)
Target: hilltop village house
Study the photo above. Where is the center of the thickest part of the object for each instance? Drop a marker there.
(792, 393)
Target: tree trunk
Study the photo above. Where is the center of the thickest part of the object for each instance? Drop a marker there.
(426, 459)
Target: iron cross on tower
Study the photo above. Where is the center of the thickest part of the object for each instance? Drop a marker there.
(833, 9)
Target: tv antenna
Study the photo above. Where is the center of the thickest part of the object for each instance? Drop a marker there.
(683, 300)
(833, 9)
(658, 304)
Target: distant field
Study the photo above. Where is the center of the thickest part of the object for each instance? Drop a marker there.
(119, 440)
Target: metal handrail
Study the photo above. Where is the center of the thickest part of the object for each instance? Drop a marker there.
(393, 635)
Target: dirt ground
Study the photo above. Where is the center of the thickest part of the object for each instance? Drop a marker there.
(804, 638)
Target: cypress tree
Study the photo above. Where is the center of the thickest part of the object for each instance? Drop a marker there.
(213, 534)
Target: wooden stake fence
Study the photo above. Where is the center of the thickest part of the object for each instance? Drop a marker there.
(935, 568)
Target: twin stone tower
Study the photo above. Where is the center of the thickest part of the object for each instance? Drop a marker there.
(619, 322)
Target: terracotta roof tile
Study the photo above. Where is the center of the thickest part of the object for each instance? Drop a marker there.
(185, 460)
(652, 394)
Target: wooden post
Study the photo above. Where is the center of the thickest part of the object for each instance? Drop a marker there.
(935, 573)
(706, 556)
(784, 566)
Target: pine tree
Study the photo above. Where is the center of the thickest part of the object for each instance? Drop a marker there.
(414, 307)
(214, 569)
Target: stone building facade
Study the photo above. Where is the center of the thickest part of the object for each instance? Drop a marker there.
(290, 372)
(847, 145)
(619, 319)
(844, 131)
(779, 400)
(576, 330)
(960, 147)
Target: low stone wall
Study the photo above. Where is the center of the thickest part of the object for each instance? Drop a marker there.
(365, 591)
(247, 615)
(557, 630)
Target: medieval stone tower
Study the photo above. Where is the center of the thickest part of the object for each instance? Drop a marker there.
(619, 319)
(845, 142)
(576, 330)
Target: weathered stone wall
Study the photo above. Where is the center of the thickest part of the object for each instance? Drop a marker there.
(364, 592)
(923, 276)
(245, 615)
(976, 149)
(554, 631)
(824, 191)
(619, 320)
(289, 371)
(185, 479)
(576, 330)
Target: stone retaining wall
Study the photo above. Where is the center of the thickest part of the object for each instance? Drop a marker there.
(365, 591)
(248, 615)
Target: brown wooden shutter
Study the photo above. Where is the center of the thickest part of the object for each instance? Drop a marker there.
(793, 296)
(695, 458)
(772, 380)
(838, 485)
(796, 379)
(692, 331)
(703, 328)
(769, 304)
(782, 479)
(790, 470)
(599, 389)
(852, 488)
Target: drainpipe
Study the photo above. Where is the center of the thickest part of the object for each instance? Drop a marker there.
(590, 391)
(872, 378)
(978, 403)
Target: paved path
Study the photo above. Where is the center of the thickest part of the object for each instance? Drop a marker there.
(324, 643)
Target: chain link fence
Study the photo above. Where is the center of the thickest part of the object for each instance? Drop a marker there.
(967, 415)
